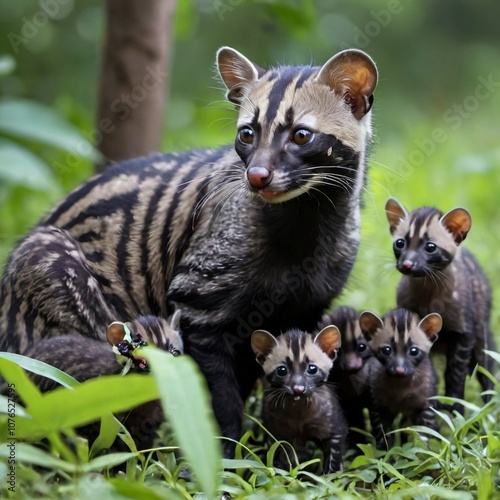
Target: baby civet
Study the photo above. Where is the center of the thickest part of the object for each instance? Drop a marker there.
(212, 232)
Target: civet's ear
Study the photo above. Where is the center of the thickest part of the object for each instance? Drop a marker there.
(236, 71)
(175, 320)
(116, 332)
(395, 213)
(353, 76)
(328, 340)
(262, 344)
(458, 222)
(431, 325)
(369, 324)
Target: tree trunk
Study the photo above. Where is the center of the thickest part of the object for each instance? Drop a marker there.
(133, 78)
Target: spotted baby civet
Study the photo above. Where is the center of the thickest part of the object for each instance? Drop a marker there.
(264, 232)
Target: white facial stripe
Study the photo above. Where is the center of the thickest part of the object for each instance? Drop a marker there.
(307, 121)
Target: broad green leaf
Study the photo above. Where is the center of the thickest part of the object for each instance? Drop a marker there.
(421, 429)
(494, 355)
(22, 386)
(367, 475)
(106, 461)
(230, 463)
(21, 167)
(110, 426)
(281, 447)
(233, 483)
(445, 417)
(485, 482)
(368, 450)
(41, 368)
(467, 404)
(30, 454)
(140, 491)
(64, 408)
(4, 407)
(360, 461)
(432, 492)
(81, 446)
(184, 397)
(390, 469)
(37, 122)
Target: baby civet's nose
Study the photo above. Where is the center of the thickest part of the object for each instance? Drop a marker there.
(408, 264)
(259, 177)
(298, 389)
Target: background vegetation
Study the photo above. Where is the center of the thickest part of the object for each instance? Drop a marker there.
(435, 119)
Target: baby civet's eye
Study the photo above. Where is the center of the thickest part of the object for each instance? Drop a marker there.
(281, 371)
(312, 369)
(302, 136)
(386, 350)
(430, 247)
(414, 351)
(246, 135)
(399, 243)
(361, 347)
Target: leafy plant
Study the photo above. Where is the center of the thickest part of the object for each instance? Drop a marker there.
(459, 462)
(24, 126)
(51, 418)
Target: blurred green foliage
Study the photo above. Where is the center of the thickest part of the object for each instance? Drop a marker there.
(436, 129)
(436, 137)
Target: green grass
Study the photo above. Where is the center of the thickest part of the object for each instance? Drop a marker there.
(461, 461)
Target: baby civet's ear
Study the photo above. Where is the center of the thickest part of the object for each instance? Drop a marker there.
(369, 324)
(328, 340)
(353, 76)
(395, 213)
(116, 332)
(458, 222)
(431, 325)
(175, 320)
(236, 71)
(262, 344)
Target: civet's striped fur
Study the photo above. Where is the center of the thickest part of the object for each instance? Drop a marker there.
(85, 358)
(402, 378)
(441, 276)
(350, 373)
(297, 405)
(260, 235)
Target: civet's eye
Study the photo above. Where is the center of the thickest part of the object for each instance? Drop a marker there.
(361, 347)
(386, 350)
(281, 371)
(430, 247)
(399, 243)
(414, 351)
(312, 369)
(302, 136)
(246, 135)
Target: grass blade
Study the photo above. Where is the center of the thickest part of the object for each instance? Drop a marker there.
(185, 401)
(64, 408)
(41, 368)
